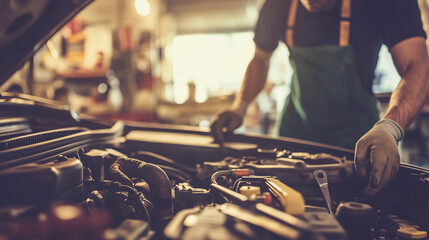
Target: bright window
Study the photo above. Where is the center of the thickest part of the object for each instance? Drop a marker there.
(386, 75)
(215, 63)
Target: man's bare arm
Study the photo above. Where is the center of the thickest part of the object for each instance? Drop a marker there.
(411, 60)
(255, 77)
(380, 143)
(253, 82)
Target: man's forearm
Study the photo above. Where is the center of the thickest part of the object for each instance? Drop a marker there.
(254, 78)
(411, 60)
(410, 96)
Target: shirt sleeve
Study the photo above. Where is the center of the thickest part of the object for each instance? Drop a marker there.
(401, 21)
(268, 27)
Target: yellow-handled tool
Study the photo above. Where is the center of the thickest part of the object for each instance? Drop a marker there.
(291, 200)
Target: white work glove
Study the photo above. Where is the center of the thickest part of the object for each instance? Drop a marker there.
(379, 149)
(225, 122)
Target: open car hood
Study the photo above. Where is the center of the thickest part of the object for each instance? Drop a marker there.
(25, 25)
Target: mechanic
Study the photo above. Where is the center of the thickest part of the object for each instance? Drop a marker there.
(334, 46)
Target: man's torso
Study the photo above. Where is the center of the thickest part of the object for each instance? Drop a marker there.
(373, 22)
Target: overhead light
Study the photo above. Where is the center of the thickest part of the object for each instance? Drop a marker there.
(142, 7)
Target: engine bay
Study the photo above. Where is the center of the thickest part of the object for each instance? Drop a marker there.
(68, 177)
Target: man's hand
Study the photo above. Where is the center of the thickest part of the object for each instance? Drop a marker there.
(227, 121)
(378, 149)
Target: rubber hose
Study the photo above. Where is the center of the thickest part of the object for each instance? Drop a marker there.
(125, 168)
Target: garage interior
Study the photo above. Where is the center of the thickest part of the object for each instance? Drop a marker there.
(135, 119)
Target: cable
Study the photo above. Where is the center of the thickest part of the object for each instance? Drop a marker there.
(177, 172)
(218, 174)
(153, 157)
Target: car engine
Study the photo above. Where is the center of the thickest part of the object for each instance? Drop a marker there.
(65, 176)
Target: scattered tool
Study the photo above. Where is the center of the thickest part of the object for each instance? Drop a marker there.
(322, 180)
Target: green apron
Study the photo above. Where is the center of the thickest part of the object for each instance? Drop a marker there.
(327, 103)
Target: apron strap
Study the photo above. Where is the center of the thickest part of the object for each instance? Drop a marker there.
(344, 35)
(346, 14)
(293, 8)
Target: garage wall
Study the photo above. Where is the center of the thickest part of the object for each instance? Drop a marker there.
(208, 16)
(119, 13)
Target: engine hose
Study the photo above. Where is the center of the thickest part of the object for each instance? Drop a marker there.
(219, 174)
(125, 168)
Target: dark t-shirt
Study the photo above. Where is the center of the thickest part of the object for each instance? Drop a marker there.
(373, 23)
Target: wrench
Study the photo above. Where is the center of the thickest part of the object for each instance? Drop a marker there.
(322, 179)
